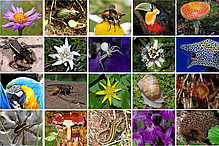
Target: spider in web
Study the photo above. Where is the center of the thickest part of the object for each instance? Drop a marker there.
(20, 127)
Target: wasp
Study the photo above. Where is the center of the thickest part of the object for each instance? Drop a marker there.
(61, 88)
(111, 15)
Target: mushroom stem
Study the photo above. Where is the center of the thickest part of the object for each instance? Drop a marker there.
(68, 124)
(196, 25)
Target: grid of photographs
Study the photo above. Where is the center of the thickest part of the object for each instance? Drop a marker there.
(109, 72)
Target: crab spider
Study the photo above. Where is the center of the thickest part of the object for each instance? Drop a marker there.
(108, 52)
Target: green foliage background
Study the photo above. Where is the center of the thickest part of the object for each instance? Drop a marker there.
(95, 101)
(27, 5)
(169, 55)
(77, 44)
(167, 87)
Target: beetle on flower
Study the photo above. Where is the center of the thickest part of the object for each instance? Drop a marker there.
(64, 55)
(19, 19)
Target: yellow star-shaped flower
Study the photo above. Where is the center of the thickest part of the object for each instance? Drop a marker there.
(109, 91)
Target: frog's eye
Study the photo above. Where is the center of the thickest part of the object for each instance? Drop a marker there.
(104, 46)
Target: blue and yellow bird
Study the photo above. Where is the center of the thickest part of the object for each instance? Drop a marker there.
(4, 104)
(26, 91)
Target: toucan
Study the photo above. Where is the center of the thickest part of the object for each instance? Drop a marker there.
(156, 19)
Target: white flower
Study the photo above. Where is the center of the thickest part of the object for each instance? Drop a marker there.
(153, 55)
(64, 55)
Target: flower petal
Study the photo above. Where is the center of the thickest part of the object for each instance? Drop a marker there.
(115, 96)
(110, 100)
(30, 11)
(155, 43)
(16, 26)
(108, 82)
(158, 63)
(59, 62)
(14, 9)
(9, 13)
(105, 98)
(75, 53)
(150, 64)
(102, 85)
(115, 84)
(34, 17)
(29, 23)
(116, 90)
(101, 92)
(71, 64)
(66, 42)
(10, 24)
(9, 17)
(54, 56)
(161, 59)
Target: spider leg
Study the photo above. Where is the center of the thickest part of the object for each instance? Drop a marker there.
(12, 127)
(117, 51)
(101, 58)
(19, 118)
(26, 118)
(113, 47)
(28, 130)
(23, 142)
(15, 138)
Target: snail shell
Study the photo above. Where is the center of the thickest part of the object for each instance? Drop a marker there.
(150, 90)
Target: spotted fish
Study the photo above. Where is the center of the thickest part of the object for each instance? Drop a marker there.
(204, 53)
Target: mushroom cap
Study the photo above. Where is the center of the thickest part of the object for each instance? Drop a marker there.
(195, 10)
(76, 118)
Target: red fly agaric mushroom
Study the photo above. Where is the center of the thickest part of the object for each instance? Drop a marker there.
(68, 120)
(195, 11)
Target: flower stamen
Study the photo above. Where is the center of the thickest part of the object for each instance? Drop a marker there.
(20, 17)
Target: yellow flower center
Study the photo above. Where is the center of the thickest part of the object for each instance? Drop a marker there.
(20, 17)
(108, 28)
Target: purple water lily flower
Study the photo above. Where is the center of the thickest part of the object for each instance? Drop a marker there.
(20, 19)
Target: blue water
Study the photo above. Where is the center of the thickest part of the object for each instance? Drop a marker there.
(183, 57)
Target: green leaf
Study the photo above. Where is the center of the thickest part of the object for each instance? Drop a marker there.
(93, 77)
(95, 102)
(213, 135)
(94, 88)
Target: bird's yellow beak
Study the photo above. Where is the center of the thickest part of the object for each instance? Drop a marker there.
(144, 7)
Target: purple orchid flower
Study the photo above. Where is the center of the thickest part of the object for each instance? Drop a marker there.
(118, 61)
(167, 114)
(18, 18)
(155, 125)
(167, 140)
(149, 130)
(138, 138)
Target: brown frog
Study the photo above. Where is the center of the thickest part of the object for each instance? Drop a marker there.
(23, 57)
